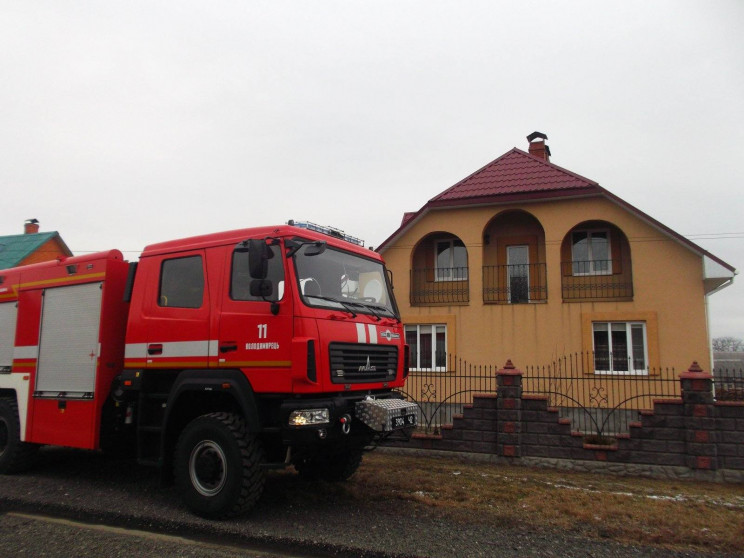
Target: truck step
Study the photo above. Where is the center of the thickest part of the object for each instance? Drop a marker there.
(161, 396)
(156, 429)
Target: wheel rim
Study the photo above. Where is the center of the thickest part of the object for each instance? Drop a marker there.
(208, 468)
(4, 436)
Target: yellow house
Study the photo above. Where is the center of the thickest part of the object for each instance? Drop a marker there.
(527, 261)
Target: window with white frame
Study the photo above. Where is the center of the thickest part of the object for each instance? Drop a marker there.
(428, 346)
(451, 260)
(590, 252)
(620, 348)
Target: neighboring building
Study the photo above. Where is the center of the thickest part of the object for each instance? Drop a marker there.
(728, 373)
(728, 361)
(527, 261)
(31, 247)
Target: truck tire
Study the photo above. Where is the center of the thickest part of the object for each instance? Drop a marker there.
(218, 466)
(15, 455)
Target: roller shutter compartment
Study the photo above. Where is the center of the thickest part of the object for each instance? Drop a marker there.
(69, 340)
(8, 315)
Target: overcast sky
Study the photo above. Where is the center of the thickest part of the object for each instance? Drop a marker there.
(127, 123)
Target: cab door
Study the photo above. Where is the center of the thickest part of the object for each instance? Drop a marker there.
(177, 312)
(251, 336)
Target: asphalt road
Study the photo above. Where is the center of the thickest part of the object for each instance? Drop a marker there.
(81, 503)
(25, 534)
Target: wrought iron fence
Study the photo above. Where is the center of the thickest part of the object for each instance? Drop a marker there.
(599, 404)
(439, 285)
(441, 393)
(515, 284)
(595, 403)
(728, 384)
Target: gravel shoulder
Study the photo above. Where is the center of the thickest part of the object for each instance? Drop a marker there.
(291, 516)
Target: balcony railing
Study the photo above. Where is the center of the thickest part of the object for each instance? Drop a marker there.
(515, 284)
(596, 279)
(523, 283)
(442, 285)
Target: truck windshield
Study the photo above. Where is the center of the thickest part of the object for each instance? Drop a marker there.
(341, 280)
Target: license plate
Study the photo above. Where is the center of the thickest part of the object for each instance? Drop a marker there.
(404, 421)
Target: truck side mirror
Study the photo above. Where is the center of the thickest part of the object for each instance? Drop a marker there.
(316, 248)
(259, 254)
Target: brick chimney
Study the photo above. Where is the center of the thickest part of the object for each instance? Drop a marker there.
(537, 145)
(31, 226)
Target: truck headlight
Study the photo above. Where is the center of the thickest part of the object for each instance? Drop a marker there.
(307, 417)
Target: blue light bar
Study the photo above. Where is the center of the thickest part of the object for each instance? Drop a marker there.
(330, 231)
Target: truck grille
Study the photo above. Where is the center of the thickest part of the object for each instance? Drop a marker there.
(357, 363)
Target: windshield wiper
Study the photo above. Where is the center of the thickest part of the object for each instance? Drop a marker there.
(343, 303)
(372, 308)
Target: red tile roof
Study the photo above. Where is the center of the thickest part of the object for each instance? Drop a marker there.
(517, 176)
(515, 173)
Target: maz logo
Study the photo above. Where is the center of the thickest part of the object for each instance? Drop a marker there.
(368, 367)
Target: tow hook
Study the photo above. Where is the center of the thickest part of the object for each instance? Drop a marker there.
(345, 424)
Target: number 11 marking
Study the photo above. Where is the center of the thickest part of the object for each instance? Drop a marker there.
(263, 330)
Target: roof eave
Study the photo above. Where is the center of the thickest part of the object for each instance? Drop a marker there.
(529, 197)
(661, 227)
(502, 199)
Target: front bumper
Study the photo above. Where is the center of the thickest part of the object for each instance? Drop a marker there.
(351, 417)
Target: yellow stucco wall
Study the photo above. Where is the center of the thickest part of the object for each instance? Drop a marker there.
(668, 290)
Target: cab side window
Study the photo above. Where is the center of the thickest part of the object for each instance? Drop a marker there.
(240, 278)
(182, 283)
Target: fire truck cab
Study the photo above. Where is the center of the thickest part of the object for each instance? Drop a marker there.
(213, 357)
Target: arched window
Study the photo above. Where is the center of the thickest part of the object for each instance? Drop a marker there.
(596, 263)
(439, 270)
(514, 270)
(591, 252)
(451, 260)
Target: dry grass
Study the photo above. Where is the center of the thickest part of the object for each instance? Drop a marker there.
(679, 514)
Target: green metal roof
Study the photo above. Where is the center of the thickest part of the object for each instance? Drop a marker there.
(17, 247)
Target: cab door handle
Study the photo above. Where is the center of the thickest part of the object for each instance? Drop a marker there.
(228, 346)
(155, 349)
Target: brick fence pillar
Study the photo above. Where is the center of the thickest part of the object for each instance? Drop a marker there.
(509, 411)
(700, 421)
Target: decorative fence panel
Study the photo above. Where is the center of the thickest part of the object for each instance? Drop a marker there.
(442, 393)
(596, 404)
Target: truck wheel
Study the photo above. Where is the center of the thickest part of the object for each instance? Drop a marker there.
(309, 468)
(343, 465)
(15, 456)
(333, 468)
(218, 466)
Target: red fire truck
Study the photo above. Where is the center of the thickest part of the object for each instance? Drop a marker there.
(214, 358)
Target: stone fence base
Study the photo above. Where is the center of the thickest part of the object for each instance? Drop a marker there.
(692, 437)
